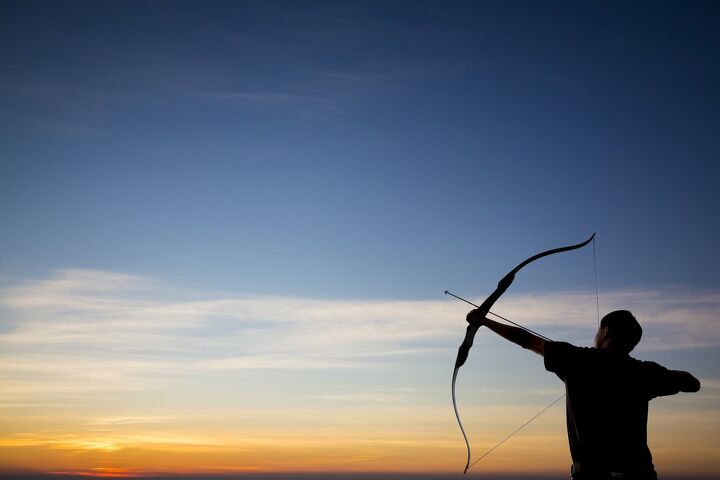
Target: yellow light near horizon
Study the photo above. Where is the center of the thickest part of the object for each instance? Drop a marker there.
(113, 385)
(425, 448)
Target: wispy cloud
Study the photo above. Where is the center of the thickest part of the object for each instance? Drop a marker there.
(89, 330)
(134, 420)
(365, 397)
(316, 88)
(110, 309)
(274, 98)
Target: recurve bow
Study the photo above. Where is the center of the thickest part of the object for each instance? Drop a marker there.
(484, 308)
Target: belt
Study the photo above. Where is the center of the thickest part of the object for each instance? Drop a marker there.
(580, 471)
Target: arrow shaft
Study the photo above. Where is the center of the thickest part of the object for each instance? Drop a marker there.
(448, 292)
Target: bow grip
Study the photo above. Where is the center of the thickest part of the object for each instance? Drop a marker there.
(464, 349)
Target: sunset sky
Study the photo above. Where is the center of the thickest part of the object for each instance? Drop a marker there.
(226, 228)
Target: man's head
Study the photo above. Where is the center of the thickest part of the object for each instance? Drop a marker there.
(618, 331)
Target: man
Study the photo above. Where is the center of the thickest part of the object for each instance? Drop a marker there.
(607, 395)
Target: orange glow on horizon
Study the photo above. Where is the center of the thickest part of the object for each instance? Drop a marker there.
(101, 472)
(392, 438)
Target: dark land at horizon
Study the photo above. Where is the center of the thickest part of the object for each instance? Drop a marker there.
(25, 475)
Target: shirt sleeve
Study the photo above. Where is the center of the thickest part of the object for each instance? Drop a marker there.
(659, 381)
(559, 358)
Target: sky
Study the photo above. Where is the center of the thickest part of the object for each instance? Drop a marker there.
(226, 228)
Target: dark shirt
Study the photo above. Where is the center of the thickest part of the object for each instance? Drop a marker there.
(607, 405)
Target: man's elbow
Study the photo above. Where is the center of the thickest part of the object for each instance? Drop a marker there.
(689, 383)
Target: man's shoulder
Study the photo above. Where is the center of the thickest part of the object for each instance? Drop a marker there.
(565, 348)
(561, 357)
(645, 364)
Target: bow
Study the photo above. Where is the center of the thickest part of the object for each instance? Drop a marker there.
(484, 308)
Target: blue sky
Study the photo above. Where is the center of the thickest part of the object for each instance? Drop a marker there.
(374, 150)
(169, 162)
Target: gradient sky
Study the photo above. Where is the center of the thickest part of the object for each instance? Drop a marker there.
(226, 227)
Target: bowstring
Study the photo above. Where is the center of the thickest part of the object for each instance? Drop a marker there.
(597, 306)
(597, 293)
(516, 431)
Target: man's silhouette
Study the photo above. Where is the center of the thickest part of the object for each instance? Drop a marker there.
(607, 395)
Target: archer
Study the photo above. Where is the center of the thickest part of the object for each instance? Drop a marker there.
(607, 394)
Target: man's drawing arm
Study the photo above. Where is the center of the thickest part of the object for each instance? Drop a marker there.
(685, 381)
(662, 381)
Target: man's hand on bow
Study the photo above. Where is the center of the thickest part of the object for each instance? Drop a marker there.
(476, 317)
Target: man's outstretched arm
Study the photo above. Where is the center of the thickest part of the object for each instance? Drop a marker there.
(514, 334)
(664, 382)
(685, 381)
